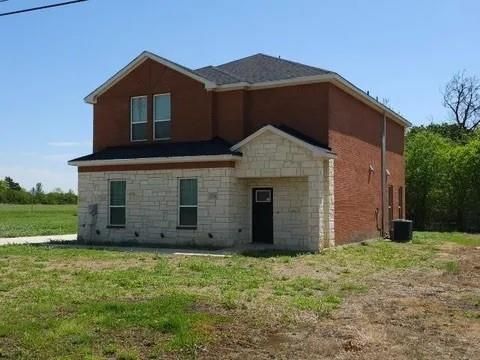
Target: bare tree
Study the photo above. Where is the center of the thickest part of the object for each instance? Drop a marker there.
(462, 98)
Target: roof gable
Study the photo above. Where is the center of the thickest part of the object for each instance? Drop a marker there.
(254, 72)
(302, 142)
(92, 97)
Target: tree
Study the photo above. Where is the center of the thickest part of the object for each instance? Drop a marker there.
(462, 97)
(12, 185)
(425, 160)
(449, 131)
(39, 189)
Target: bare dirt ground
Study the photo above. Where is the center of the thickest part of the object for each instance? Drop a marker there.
(405, 314)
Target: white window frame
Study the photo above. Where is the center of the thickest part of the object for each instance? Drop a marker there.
(110, 206)
(269, 200)
(186, 206)
(137, 122)
(164, 120)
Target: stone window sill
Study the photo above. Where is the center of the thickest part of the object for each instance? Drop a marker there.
(115, 226)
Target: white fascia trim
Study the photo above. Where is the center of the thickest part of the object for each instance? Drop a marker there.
(367, 99)
(317, 151)
(92, 97)
(156, 160)
(332, 78)
(211, 86)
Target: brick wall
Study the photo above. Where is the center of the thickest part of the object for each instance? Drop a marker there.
(355, 136)
(191, 106)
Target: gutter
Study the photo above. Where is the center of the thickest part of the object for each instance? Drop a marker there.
(384, 172)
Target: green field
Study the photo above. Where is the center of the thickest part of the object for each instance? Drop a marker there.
(78, 303)
(31, 220)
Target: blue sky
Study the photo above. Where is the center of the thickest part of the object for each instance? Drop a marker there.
(401, 50)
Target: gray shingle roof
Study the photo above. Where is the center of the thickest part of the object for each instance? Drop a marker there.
(219, 77)
(215, 146)
(258, 68)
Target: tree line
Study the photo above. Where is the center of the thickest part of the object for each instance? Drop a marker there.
(12, 193)
(443, 163)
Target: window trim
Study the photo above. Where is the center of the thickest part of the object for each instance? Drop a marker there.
(269, 200)
(186, 206)
(137, 122)
(110, 206)
(155, 120)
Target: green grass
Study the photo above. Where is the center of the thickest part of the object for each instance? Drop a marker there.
(59, 302)
(433, 238)
(31, 220)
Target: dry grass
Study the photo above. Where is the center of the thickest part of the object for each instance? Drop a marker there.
(384, 300)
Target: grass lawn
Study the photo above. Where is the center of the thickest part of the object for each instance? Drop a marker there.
(31, 220)
(380, 300)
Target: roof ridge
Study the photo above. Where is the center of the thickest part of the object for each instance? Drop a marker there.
(236, 60)
(293, 62)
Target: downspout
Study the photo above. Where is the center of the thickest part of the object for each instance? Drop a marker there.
(384, 170)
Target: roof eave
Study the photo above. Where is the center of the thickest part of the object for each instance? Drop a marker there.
(316, 150)
(156, 160)
(92, 97)
(364, 97)
(330, 77)
(212, 86)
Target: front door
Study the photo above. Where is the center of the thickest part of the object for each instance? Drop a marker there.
(262, 215)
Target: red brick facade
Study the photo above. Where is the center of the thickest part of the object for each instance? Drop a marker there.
(322, 111)
(356, 137)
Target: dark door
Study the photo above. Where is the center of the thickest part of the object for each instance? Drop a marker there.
(262, 215)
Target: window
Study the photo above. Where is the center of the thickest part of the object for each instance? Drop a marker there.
(117, 203)
(263, 196)
(161, 116)
(138, 118)
(188, 204)
(400, 202)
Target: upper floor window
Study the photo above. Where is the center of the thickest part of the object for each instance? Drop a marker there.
(161, 117)
(138, 118)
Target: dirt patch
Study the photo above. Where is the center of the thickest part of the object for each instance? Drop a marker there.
(405, 314)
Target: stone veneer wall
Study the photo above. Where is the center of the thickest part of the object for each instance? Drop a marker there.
(272, 156)
(152, 207)
(290, 217)
(302, 192)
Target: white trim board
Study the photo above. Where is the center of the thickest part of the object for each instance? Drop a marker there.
(92, 97)
(333, 78)
(316, 150)
(156, 160)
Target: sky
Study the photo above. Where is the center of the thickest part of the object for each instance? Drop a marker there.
(403, 51)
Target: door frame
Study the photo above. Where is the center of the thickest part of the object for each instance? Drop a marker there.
(250, 209)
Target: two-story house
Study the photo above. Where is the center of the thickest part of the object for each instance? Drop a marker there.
(259, 149)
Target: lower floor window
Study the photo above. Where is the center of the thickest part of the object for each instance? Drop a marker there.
(188, 203)
(117, 208)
